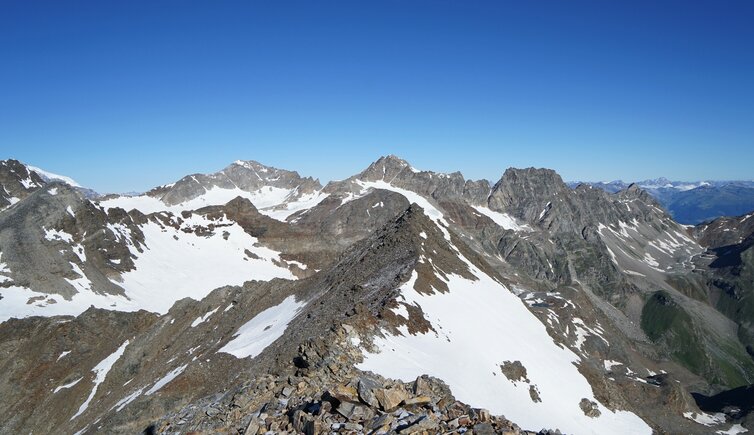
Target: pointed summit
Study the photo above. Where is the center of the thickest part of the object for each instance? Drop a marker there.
(386, 168)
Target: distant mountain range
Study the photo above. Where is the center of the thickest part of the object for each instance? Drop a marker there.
(258, 300)
(691, 202)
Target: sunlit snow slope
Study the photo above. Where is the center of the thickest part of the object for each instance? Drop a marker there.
(275, 202)
(174, 264)
(481, 325)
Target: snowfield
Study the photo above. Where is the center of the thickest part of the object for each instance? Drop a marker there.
(482, 324)
(174, 265)
(274, 202)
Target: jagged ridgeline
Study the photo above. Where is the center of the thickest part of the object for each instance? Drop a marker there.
(255, 300)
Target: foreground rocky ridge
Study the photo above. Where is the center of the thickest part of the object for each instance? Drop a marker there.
(597, 270)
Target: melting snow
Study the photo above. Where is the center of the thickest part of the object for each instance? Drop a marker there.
(166, 379)
(62, 387)
(4, 270)
(544, 211)
(706, 419)
(632, 272)
(261, 331)
(128, 399)
(82, 284)
(733, 430)
(28, 183)
(66, 352)
(78, 249)
(298, 264)
(54, 234)
(650, 260)
(201, 319)
(504, 220)
(100, 373)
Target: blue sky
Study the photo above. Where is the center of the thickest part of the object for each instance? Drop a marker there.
(128, 95)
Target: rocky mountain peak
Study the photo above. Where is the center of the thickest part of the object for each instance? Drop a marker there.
(386, 168)
(545, 181)
(635, 191)
(633, 188)
(525, 192)
(242, 176)
(265, 173)
(391, 172)
(16, 182)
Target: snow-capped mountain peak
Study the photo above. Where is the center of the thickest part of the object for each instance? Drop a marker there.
(49, 176)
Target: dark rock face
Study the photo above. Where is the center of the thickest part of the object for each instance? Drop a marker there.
(16, 182)
(730, 272)
(54, 231)
(725, 231)
(47, 363)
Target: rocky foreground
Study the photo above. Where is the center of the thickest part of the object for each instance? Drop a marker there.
(324, 394)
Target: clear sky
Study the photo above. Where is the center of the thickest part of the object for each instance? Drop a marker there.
(126, 95)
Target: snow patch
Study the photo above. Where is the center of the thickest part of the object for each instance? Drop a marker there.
(650, 260)
(706, 419)
(201, 319)
(64, 353)
(53, 234)
(100, 373)
(261, 331)
(733, 430)
(126, 400)
(28, 183)
(82, 283)
(504, 220)
(166, 379)
(69, 385)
